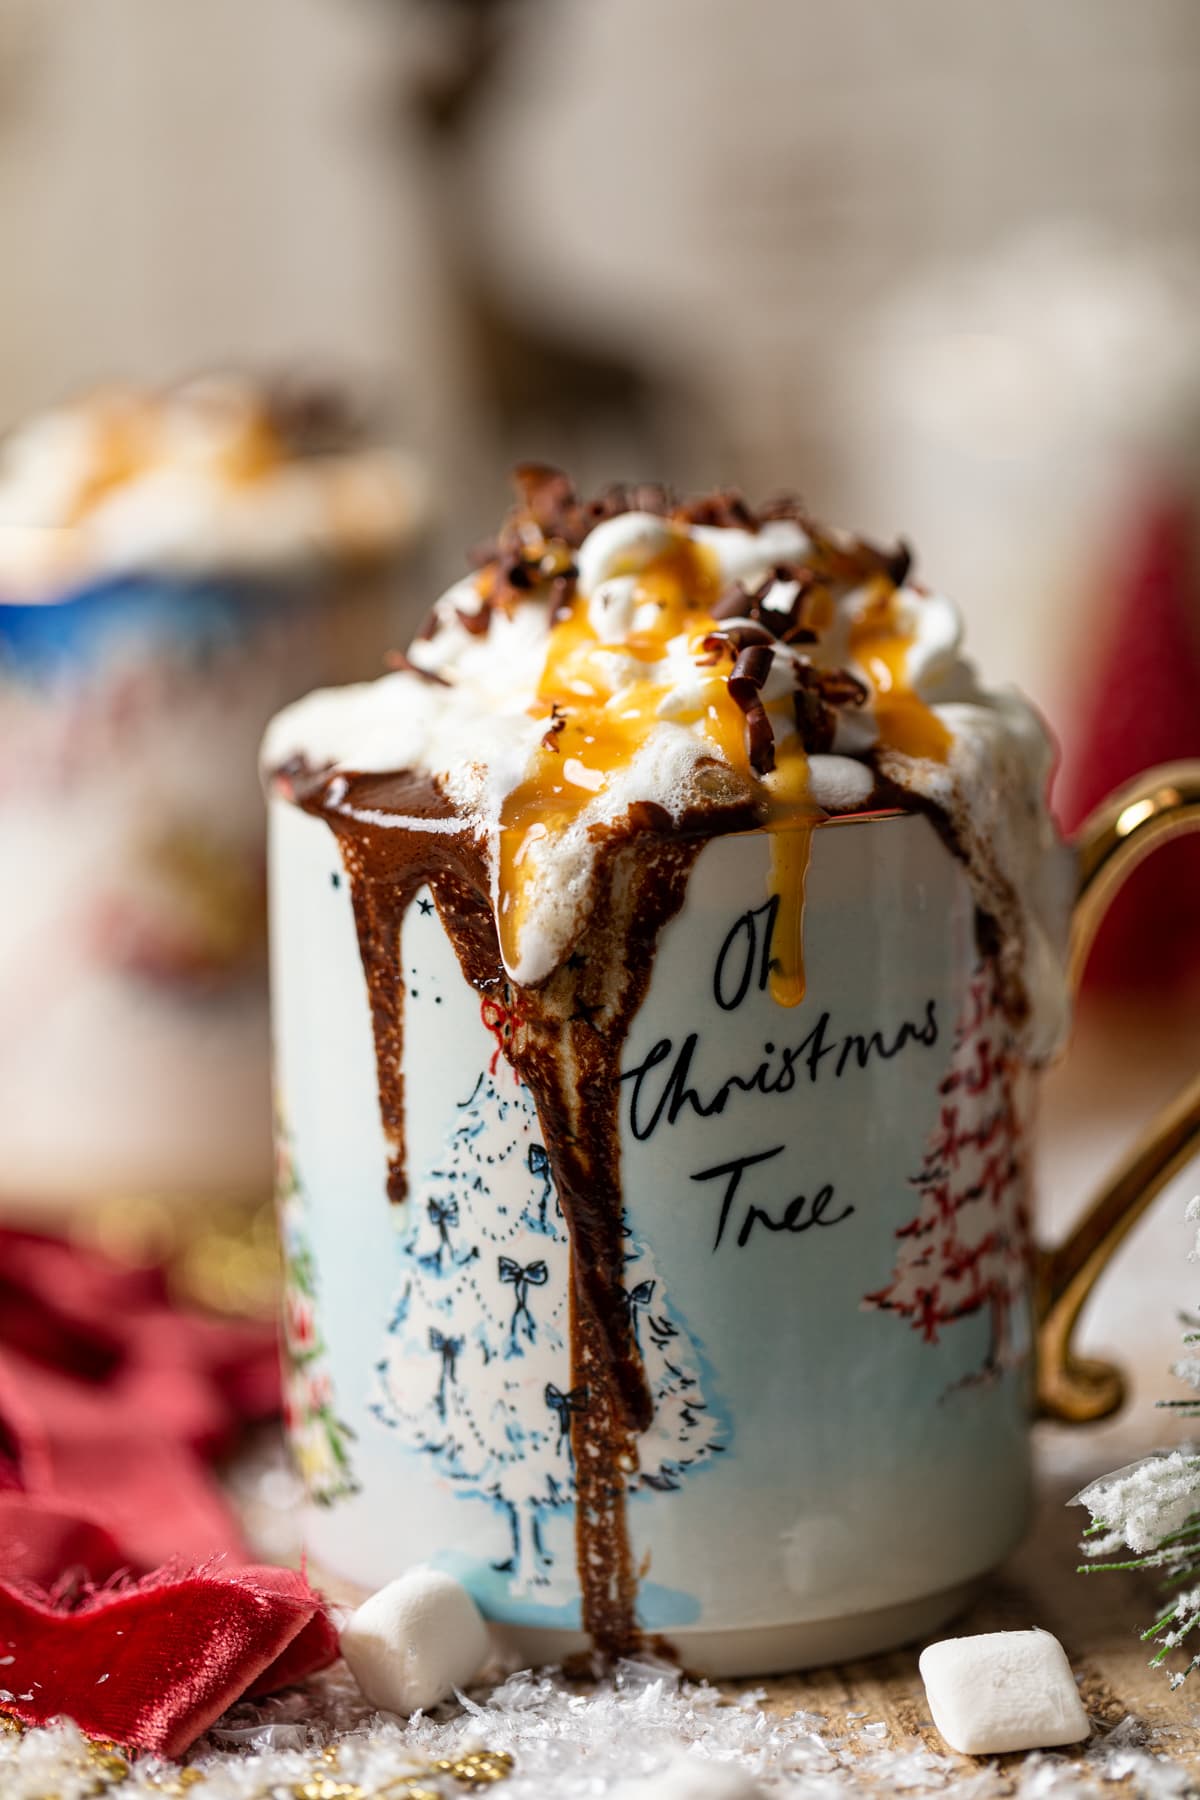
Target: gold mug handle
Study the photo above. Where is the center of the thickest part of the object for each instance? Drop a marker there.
(1125, 828)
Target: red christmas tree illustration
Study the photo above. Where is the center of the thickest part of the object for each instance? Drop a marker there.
(967, 1248)
(1143, 707)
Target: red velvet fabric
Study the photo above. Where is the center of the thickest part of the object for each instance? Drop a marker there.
(113, 1405)
(154, 1665)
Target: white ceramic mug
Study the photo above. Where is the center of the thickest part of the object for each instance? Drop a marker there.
(829, 1265)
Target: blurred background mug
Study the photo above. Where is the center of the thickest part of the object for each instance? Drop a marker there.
(829, 1265)
(174, 566)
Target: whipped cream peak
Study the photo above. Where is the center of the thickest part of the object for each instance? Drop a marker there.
(218, 474)
(700, 667)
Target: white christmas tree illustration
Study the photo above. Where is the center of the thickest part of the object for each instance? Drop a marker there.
(968, 1246)
(476, 1369)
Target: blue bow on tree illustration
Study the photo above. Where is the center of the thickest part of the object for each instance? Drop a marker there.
(448, 1349)
(443, 1214)
(567, 1406)
(539, 1167)
(637, 1300)
(521, 1278)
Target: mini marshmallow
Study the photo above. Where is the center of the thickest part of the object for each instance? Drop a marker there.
(415, 1641)
(1003, 1690)
(691, 1779)
(839, 783)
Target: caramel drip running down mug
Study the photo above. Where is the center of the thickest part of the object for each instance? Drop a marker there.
(844, 1323)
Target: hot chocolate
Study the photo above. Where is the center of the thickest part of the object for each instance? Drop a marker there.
(617, 684)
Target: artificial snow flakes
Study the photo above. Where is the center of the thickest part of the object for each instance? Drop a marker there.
(691, 1778)
(415, 1641)
(1150, 1507)
(1003, 1690)
(1143, 1503)
(542, 1737)
(1191, 1213)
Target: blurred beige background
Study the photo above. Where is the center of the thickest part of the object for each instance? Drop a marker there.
(677, 238)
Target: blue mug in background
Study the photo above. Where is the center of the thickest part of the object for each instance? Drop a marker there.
(132, 939)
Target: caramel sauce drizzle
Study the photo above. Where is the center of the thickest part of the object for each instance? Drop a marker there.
(881, 647)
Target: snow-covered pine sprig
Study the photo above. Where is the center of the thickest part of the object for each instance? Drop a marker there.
(1152, 1508)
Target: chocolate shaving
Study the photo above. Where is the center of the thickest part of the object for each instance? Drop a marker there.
(731, 641)
(517, 575)
(840, 688)
(749, 672)
(899, 563)
(784, 506)
(850, 562)
(734, 603)
(745, 685)
(536, 542)
(715, 648)
(816, 722)
(790, 626)
(650, 497)
(760, 739)
(549, 513)
(513, 580)
(725, 508)
(819, 692)
(543, 492)
(745, 636)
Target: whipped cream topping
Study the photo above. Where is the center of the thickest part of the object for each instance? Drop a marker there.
(728, 670)
(215, 475)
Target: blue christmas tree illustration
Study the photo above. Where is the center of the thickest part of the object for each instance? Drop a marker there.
(476, 1369)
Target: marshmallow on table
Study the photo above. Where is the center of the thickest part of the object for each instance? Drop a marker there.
(415, 1641)
(1003, 1690)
